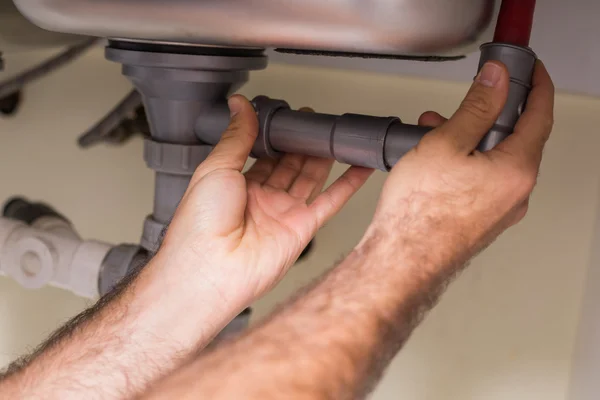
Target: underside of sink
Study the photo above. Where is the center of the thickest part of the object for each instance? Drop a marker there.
(420, 27)
(18, 34)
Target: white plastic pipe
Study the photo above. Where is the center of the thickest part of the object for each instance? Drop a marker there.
(50, 252)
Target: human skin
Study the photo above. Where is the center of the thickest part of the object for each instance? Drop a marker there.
(442, 204)
(233, 237)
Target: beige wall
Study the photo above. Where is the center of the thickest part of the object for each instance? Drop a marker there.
(506, 328)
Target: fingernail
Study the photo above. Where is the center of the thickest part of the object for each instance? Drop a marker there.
(489, 75)
(235, 106)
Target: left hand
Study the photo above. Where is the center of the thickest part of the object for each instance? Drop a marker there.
(448, 196)
(253, 227)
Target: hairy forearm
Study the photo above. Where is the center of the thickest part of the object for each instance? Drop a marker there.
(334, 340)
(128, 339)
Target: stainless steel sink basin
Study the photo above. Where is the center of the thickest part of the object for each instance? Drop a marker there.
(18, 34)
(365, 26)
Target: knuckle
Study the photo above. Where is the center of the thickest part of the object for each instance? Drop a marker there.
(330, 201)
(233, 140)
(352, 184)
(235, 126)
(240, 130)
(478, 105)
(220, 160)
(201, 172)
(521, 212)
(524, 209)
(527, 182)
(523, 183)
(551, 87)
(548, 125)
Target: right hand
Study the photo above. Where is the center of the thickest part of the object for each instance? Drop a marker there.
(248, 229)
(445, 201)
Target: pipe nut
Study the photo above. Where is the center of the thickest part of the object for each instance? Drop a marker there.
(117, 263)
(265, 109)
(151, 236)
(174, 159)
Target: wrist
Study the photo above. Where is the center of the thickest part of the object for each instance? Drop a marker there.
(429, 227)
(413, 244)
(401, 277)
(185, 301)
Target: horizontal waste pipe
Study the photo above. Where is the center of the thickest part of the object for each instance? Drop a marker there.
(374, 142)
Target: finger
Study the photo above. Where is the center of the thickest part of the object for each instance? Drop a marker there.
(235, 145)
(312, 178)
(261, 170)
(431, 119)
(286, 171)
(331, 201)
(478, 111)
(535, 125)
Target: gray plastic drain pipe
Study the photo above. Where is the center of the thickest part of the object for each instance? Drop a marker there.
(362, 140)
(374, 142)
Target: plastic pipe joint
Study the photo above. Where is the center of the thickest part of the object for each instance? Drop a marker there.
(49, 252)
(362, 140)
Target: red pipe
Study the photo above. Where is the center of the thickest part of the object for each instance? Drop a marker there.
(515, 22)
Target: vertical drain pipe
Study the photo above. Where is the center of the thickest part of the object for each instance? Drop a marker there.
(515, 22)
(510, 47)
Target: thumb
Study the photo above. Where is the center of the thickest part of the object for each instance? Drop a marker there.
(479, 110)
(235, 145)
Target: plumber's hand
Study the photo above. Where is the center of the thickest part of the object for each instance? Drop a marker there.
(445, 201)
(254, 226)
